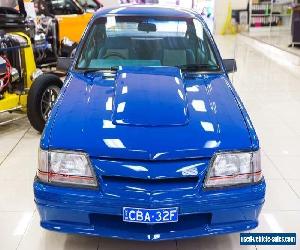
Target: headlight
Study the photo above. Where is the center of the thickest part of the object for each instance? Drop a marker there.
(71, 168)
(234, 168)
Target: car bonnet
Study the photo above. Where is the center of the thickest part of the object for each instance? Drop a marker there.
(151, 113)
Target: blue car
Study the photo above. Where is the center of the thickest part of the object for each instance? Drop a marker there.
(148, 139)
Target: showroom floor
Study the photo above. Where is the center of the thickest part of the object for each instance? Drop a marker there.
(271, 94)
(280, 39)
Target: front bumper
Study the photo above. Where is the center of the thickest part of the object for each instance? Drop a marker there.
(90, 212)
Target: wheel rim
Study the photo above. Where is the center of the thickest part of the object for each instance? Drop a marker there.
(48, 99)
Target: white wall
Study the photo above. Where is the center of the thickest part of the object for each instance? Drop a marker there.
(221, 11)
(110, 3)
(239, 4)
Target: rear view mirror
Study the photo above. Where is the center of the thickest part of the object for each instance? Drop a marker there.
(63, 64)
(147, 27)
(230, 65)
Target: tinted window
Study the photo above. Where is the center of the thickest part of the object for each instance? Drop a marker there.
(63, 7)
(146, 41)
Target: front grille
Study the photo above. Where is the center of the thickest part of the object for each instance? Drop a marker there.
(185, 222)
(158, 184)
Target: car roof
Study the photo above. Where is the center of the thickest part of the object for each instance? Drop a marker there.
(146, 10)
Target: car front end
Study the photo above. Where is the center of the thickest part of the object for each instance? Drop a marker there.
(159, 147)
(99, 210)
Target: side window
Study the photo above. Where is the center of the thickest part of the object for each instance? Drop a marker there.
(64, 7)
(205, 54)
(212, 58)
(95, 42)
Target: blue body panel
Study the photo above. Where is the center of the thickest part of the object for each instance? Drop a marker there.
(140, 92)
(213, 118)
(153, 184)
(150, 133)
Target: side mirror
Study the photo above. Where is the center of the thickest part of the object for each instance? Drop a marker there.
(230, 65)
(63, 64)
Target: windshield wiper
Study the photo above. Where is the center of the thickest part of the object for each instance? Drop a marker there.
(198, 67)
(94, 70)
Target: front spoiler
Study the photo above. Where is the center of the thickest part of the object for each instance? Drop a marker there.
(104, 218)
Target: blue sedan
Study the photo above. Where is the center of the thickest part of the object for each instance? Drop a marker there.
(148, 139)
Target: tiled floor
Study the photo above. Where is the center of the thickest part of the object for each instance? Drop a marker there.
(271, 94)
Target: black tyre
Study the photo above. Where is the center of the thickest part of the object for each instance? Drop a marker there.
(41, 98)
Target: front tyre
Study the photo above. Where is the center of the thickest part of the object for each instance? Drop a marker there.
(41, 98)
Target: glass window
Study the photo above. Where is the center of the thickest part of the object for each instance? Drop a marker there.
(89, 4)
(147, 41)
(63, 7)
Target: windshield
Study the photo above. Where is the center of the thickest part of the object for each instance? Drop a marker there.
(146, 41)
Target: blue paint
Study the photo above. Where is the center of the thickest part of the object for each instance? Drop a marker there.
(159, 88)
(146, 157)
(213, 117)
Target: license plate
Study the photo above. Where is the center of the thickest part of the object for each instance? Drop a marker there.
(151, 216)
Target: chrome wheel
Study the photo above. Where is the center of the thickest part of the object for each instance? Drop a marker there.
(48, 99)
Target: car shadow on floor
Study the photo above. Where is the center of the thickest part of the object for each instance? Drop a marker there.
(214, 242)
(224, 242)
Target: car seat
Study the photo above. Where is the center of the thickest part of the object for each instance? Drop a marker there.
(177, 51)
(116, 45)
(147, 48)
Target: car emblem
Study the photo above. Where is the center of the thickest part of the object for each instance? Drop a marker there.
(192, 171)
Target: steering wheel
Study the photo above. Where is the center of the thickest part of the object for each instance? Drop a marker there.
(114, 54)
